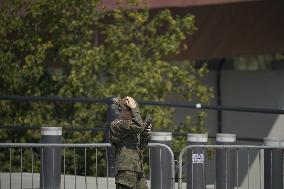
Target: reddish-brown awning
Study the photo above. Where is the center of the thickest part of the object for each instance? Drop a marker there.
(188, 3)
(228, 28)
(177, 3)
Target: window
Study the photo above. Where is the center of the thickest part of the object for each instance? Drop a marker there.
(253, 63)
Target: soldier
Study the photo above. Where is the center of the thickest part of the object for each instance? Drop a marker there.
(129, 135)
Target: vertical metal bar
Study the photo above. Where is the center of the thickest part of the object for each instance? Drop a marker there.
(150, 169)
(161, 174)
(237, 168)
(259, 161)
(107, 166)
(214, 168)
(172, 169)
(191, 169)
(53, 167)
(180, 165)
(203, 172)
(226, 168)
(42, 164)
(64, 166)
(32, 154)
(10, 168)
(271, 169)
(85, 167)
(21, 168)
(97, 185)
(0, 176)
(248, 166)
(75, 171)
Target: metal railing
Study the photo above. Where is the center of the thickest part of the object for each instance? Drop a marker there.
(39, 147)
(245, 157)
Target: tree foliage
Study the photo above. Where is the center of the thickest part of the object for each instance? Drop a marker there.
(82, 48)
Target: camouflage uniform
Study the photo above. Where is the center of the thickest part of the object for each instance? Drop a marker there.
(129, 139)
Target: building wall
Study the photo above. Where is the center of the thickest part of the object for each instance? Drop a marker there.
(263, 89)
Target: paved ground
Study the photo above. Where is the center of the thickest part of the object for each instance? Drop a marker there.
(102, 183)
(92, 182)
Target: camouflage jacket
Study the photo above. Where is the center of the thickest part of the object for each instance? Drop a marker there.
(129, 139)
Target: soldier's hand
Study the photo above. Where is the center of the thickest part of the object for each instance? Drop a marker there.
(130, 102)
(148, 128)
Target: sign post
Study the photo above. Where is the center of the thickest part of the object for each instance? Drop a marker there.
(50, 165)
(195, 172)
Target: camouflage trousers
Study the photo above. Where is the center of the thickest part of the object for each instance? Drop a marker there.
(130, 180)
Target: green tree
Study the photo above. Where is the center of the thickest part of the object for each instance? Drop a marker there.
(82, 48)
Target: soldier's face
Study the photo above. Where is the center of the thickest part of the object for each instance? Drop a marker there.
(123, 101)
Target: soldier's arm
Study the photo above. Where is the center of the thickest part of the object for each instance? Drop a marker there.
(136, 116)
(144, 140)
(145, 136)
(127, 126)
(131, 103)
(115, 135)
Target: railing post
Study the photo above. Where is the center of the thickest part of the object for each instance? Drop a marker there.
(195, 164)
(273, 164)
(50, 168)
(225, 162)
(160, 161)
